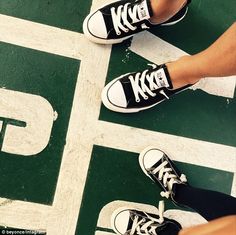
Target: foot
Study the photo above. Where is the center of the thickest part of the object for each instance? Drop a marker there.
(129, 221)
(134, 92)
(159, 168)
(120, 20)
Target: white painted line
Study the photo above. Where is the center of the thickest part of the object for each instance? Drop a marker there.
(77, 153)
(85, 111)
(154, 48)
(160, 51)
(198, 152)
(24, 215)
(103, 233)
(41, 37)
(185, 218)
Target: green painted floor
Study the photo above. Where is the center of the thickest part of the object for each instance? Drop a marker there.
(47, 75)
(123, 179)
(112, 174)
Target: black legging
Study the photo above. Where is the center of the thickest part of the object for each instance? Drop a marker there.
(209, 204)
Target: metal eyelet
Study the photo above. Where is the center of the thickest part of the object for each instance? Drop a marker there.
(137, 100)
(146, 97)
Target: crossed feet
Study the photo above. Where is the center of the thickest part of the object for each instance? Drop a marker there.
(114, 23)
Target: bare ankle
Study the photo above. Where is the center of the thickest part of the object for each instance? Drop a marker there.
(181, 73)
(164, 10)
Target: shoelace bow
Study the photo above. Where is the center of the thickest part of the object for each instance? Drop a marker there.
(168, 178)
(148, 225)
(120, 18)
(139, 87)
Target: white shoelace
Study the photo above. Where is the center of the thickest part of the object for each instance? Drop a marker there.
(123, 11)
(154, 83)
(168, 178)
(140, 226)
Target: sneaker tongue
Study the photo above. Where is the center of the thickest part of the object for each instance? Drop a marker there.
(144, 10)
(165, 82)
(163, 78)
(164, 73)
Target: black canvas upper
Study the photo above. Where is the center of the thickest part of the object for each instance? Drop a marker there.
(152, 100)
(159, 97)
(175, 171)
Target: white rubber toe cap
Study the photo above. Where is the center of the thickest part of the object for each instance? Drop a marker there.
(96, 25)
(150, 157)
(116, 95)
(121, 222)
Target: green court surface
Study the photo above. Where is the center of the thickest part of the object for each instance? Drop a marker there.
(28, 71)
(64, 157)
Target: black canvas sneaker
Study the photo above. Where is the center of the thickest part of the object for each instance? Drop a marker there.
(130, 221)
(134, 92)
(122, 19)
(157, 166)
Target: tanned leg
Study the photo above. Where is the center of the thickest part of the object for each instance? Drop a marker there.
(217, 60)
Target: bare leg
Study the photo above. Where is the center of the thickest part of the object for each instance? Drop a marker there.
(165, 9)
(216, 61)
(222, 226)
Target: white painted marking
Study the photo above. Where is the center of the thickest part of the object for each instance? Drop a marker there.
(181, 149)
(36, 112)
(185, 218)
(197, 152)
(77, 153)
(222, 86)
(103, 233)
(24, 215)
(41, 37)
(1, 126)
(160, 51)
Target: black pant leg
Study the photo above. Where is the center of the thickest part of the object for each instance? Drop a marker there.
(207, 203)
